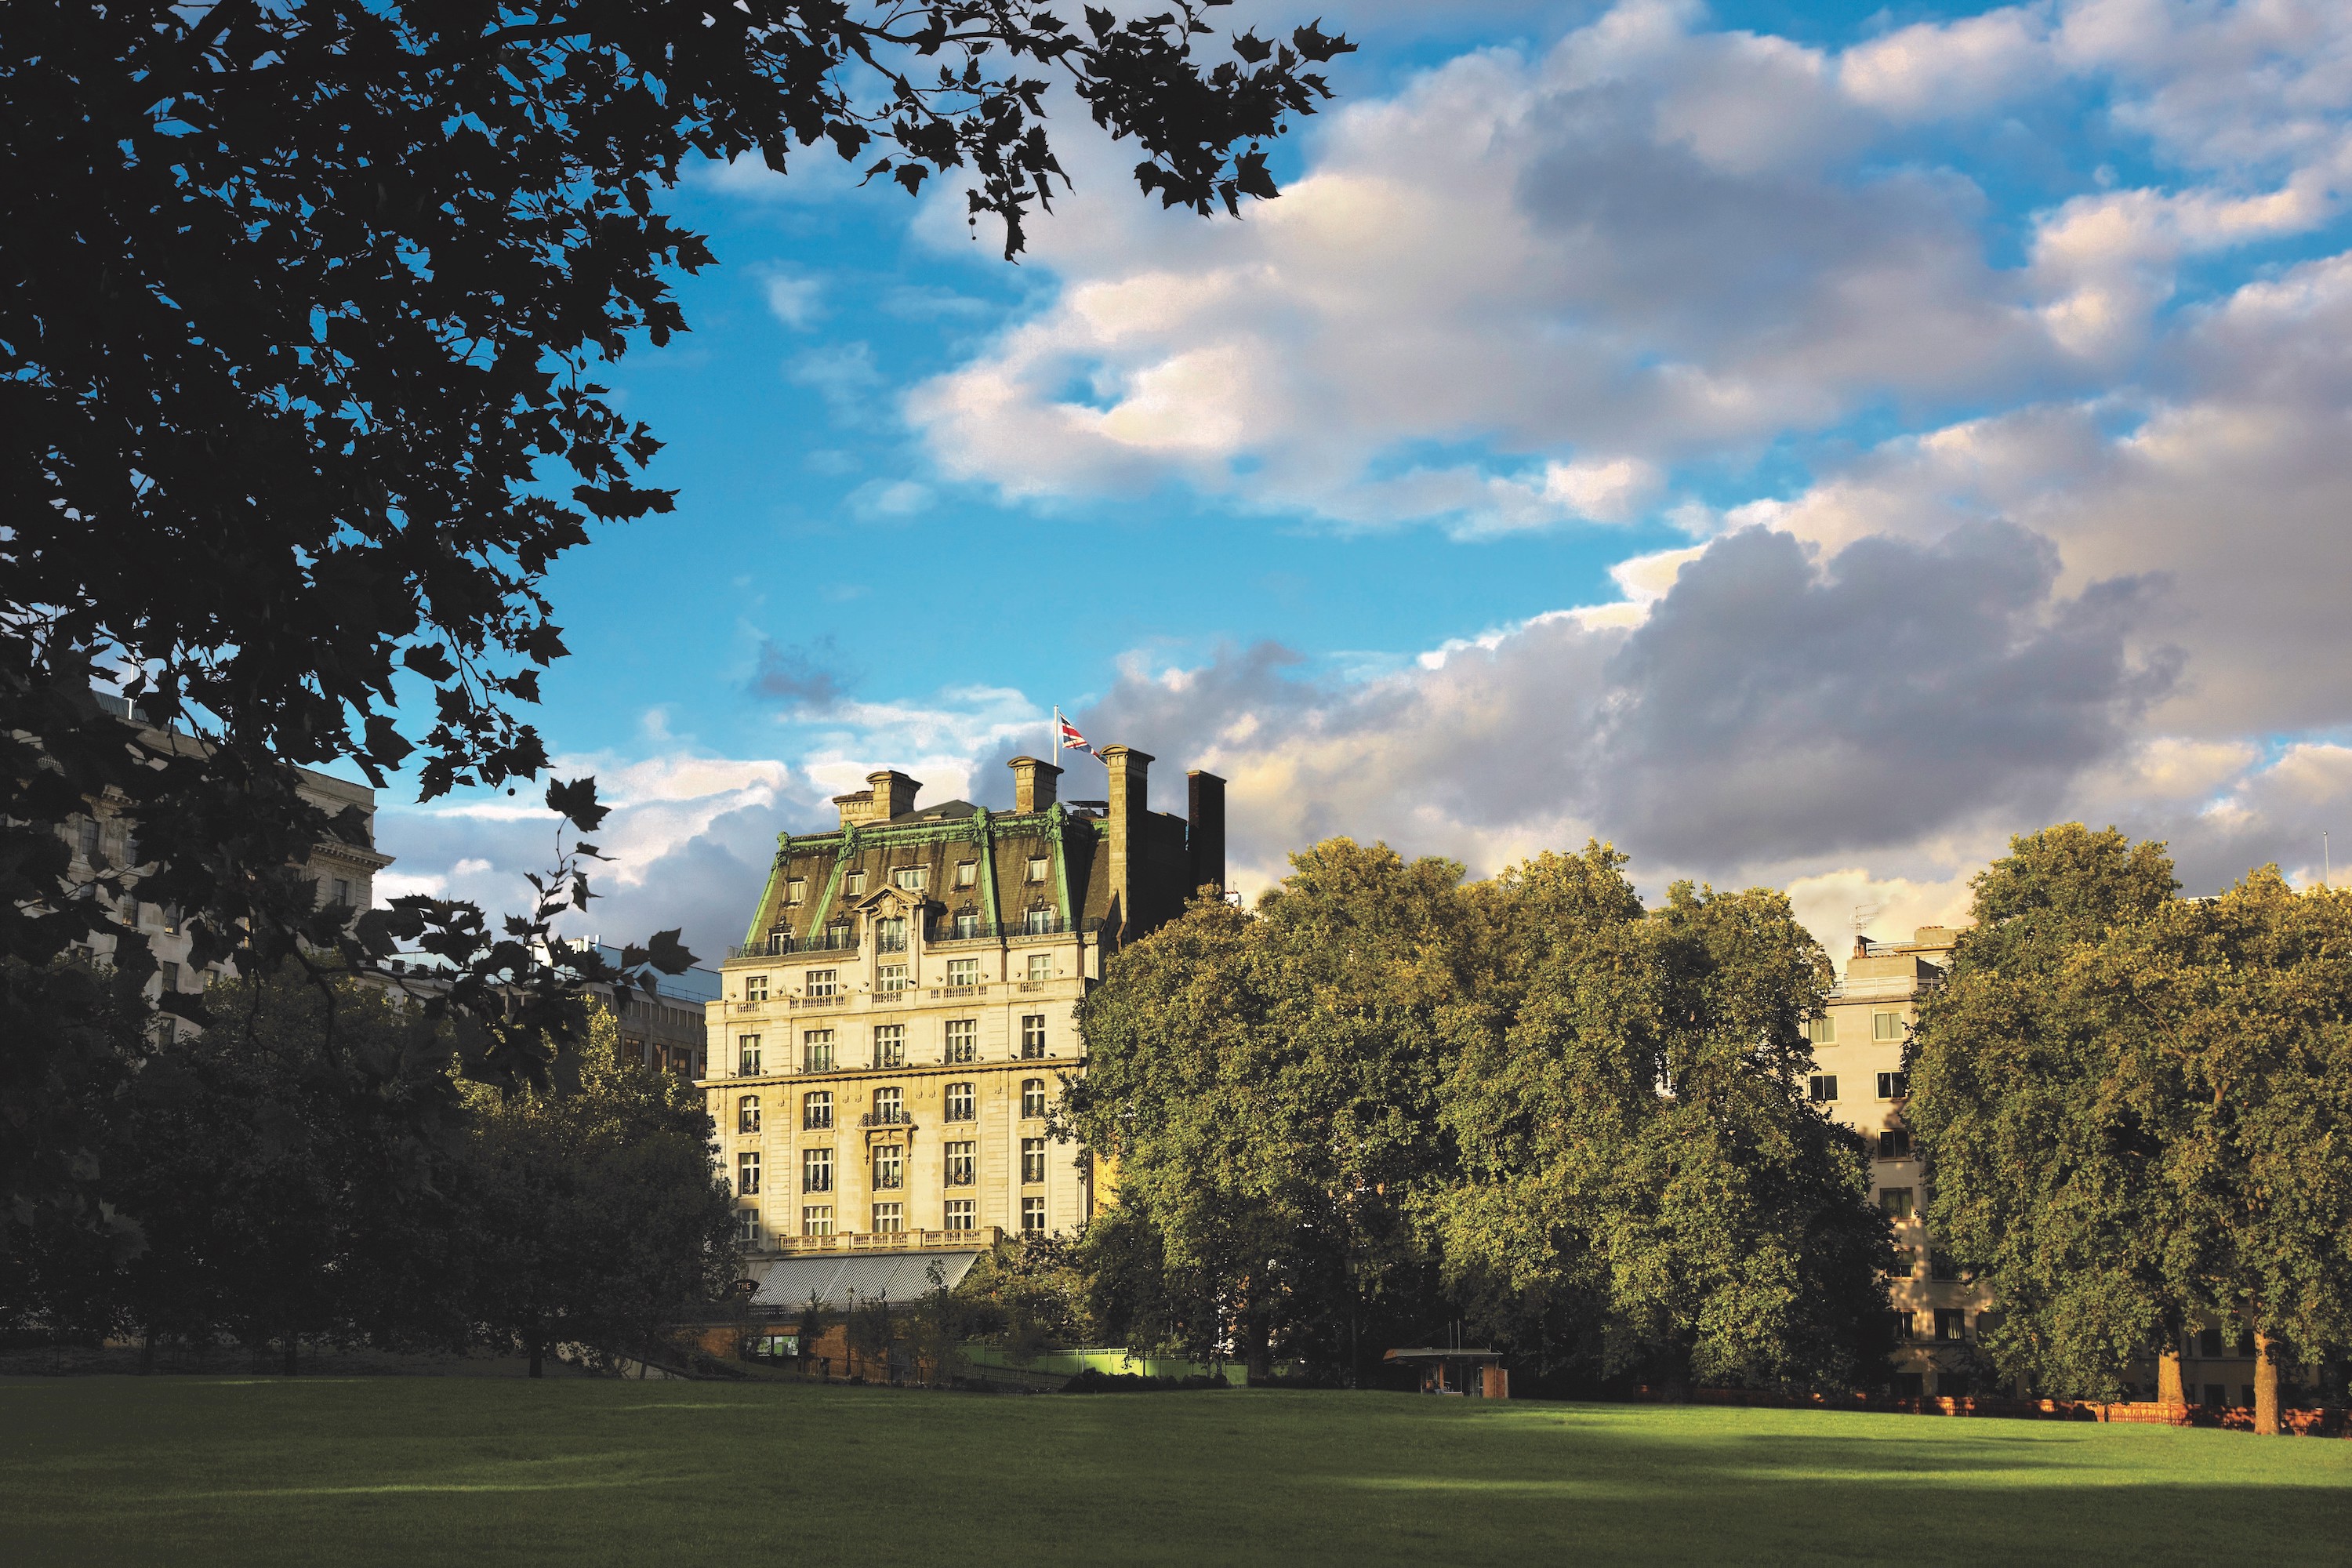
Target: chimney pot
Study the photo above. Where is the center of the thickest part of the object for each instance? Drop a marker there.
(1035, 784)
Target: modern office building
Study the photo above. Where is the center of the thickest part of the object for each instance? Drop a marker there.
(896, 1028)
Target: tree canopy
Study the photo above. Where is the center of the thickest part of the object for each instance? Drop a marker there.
(2133, 1107)
(1384, 1101)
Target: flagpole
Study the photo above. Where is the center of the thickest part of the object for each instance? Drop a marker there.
(1057, 736)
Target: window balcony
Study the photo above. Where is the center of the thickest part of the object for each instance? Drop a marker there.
(978, 1240)
(885, 1118)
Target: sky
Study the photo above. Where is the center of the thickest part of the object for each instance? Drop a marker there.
(1802, 444)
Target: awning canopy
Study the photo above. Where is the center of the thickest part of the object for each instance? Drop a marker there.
(834, 1276)
(1436, 1353)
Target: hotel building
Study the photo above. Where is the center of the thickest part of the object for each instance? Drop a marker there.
(893, 1035)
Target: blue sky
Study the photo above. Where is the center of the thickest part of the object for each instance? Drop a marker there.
(1802, 444)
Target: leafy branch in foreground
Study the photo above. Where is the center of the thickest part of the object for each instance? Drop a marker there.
(302, 306)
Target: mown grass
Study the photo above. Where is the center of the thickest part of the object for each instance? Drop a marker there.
(426, 1470)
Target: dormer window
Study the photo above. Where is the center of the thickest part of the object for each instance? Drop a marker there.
(856, 883)
(1038, 866)
(967, 873)
(795, 890)
(967, 924)
(912, 878)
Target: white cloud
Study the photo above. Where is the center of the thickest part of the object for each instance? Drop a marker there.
(796, 300)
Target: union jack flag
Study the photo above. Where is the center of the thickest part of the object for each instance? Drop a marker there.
(1065, 734)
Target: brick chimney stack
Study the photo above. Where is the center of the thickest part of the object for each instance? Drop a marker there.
(1204, 839)
(1130, 792)
(1035, 784)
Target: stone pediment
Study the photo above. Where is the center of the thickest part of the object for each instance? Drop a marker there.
(885, 902)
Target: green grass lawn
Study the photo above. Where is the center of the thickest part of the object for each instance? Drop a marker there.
(411, 1470)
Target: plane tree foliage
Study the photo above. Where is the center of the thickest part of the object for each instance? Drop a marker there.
(2032, 1101)
(1384, 1102)
(2135, 1109)
(304, 307)
(1645, 1189)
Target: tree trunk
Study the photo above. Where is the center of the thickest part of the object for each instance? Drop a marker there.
(147, 1352)
(2266, 1385)
(537, 1354)
(292, 1344)
(1258, 1349)
(2168, 1392)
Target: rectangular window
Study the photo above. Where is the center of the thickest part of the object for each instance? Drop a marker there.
(963, 1213)
(816, 1051)
(967, 873)
(2209, 1342)
(889, 979)
(1894, 1085)
(956, 1105)
(2217, 1395)
(795, 889)
(86, 838)
(746, 1227)
(1033, 1036)
(1887, 1026)
(890, 1107)
(1032, 1160)
(889, 1219)
(1039, 866)
(817, 1220)
(1899, 1324)
(1033, 1098)
(1902, 1264)
(816, 1110)
(963, 1041)
(912, 878)
(342, 892)
(816, 1169)
(1821, 1031)
(1821, 1088)
(1033, 1216)
(967, 925)
(747, 1175)
(890, 934)
(889, 1045)
(1040, 966)
(1942, 1265)
(747, 1057)
(963, 972)
(1039, 920)
(889, 1167)
(747, 1114)
(1896, 1202)
(755, 988)
(821, 984)
(171, 973)
(1951, 1323)
(1894, 1143)
(856, 883)
(962, 1163)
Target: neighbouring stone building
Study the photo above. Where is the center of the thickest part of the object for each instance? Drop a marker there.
(345, 873)
(1858, 1079)
(900, 1019)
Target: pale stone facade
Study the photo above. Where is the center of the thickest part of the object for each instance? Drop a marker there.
(1858, 1079)
(344, 873)
(892, 1037)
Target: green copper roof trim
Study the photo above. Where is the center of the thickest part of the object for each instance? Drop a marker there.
(1055, 816)
(983, 833)
(753, 936)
